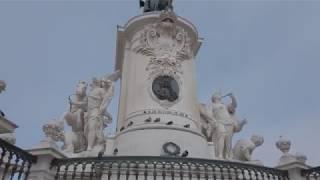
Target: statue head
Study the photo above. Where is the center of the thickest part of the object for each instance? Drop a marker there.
(95, 82)
(81, 88)
(106, 82)
(216, 97)
(257, 140)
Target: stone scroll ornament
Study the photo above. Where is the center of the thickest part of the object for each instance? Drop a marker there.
(167, 45)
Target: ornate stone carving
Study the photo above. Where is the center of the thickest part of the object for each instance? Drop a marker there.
(2, 86)
(171, 149)
(284, 145)
(243, 149)
(54, 130)
(167, 44)
(165, 89)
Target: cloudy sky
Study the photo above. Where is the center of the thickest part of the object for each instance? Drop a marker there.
(266, 52)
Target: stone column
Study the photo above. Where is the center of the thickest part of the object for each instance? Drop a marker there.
(41, 170)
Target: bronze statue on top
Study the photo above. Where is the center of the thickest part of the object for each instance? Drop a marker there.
(156, 5)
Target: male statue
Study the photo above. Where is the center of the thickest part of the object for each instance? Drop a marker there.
(74, 141)
(99, 98)
(219, 123)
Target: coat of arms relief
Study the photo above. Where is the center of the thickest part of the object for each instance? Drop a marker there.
(167, 45)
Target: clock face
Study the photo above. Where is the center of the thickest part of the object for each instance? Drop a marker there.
(165, 88)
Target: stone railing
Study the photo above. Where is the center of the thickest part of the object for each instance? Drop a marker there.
(162, 168)
(312, 173)
(15, 163)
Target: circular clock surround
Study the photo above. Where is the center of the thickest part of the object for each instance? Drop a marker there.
(165, 88)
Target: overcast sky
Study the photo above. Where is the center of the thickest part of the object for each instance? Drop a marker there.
(266, 52)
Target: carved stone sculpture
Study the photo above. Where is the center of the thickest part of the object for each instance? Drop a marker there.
(284, 145)
(243, 149)
(219, 123)
(156, 5)
(75, 141)
(54, 132)
(99, 98)
(167, 45)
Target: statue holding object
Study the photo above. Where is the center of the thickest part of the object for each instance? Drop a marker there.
(75, 141)
(219, 123)
(98, 118)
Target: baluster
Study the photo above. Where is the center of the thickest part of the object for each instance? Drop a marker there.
(128, 170)
(119, 171)
(154, 170)
(14, 169)
(75, 166)
(236, 174)
(2, 155)
(243, 173)
(172, 171)
(181, 171)
(7, 166)
(109, 171)
(268, 176)
(229, 172)
(145, 170)
(206, 177)
(250, 174)
(21, 169)
(221, 172)
(164, 171)
(65, 174)
(28, 170)
(137, 170)
(83, 168)
(198, 171)
(92, 170)
(189, 171)
(214, 172)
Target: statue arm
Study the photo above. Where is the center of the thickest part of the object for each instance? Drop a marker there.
(239, 125)
(233, 103)
(247, 154)
(205, 114)
(107, 96)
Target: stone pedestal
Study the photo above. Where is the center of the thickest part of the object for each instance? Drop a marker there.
(294, 169)
(158, 104)
(41, 170)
